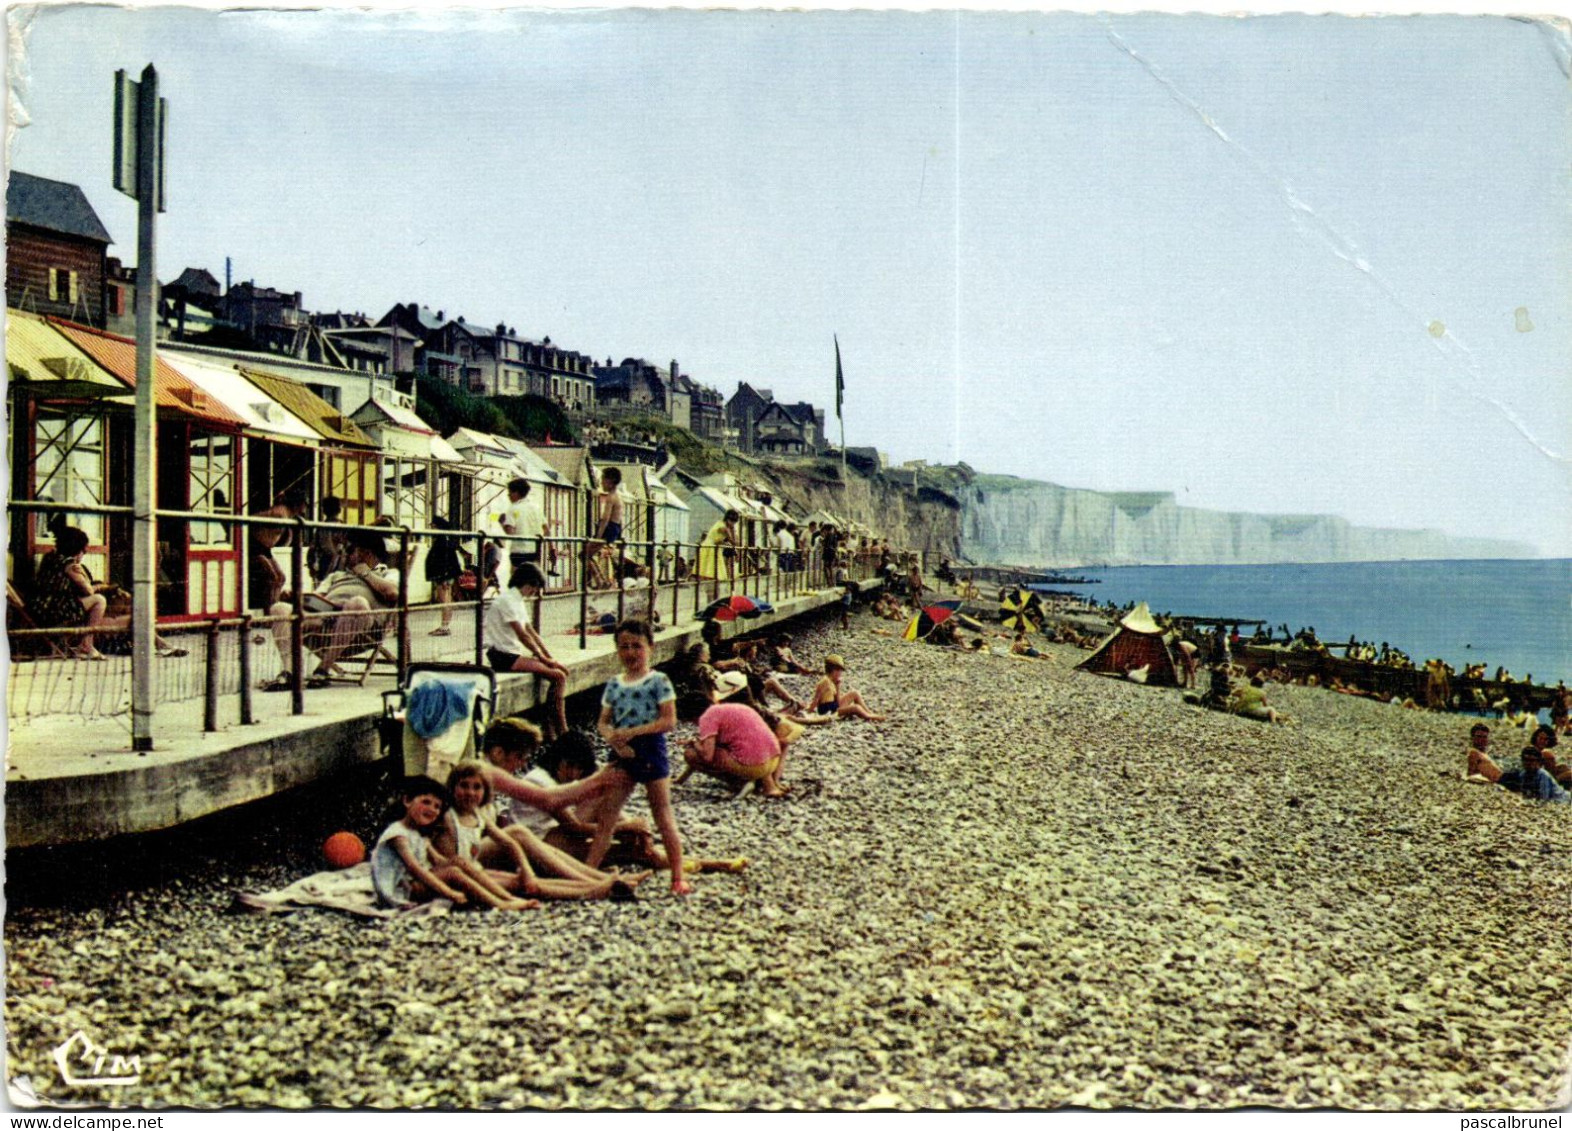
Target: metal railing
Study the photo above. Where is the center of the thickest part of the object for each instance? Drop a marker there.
(231, 655)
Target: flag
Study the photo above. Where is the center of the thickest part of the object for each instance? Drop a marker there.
(840, 381)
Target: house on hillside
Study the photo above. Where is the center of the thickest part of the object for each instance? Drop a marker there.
(270, 318)
(636, 386)
(188, 307)
(745, 406)
(196, 284)
(56, 250)
(749, 406)
(812, 421)
(392, 346)
(777, 433)
(707, 413)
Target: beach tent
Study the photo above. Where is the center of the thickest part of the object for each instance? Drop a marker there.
(1137, 642)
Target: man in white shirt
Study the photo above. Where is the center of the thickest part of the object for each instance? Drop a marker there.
(525, 524)
(786, 545)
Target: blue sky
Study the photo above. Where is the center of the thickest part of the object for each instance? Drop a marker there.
(1270, 264)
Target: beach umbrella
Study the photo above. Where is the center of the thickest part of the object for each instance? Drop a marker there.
(930, 618)
(1020, 610)
(737, 605)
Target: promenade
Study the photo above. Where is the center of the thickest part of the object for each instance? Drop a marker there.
(71, 779)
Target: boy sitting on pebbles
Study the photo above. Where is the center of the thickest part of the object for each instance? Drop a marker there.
(829, 699)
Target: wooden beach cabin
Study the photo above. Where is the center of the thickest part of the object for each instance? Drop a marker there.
(498, 460)
(199, 468)
(423, 476)
(59, 402)
(278, 450)
(347, 460)
(671, 523)
(571, 511)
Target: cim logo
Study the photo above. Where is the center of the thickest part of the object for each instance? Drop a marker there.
(99, 1068)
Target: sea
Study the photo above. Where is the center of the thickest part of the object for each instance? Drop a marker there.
(1515, 614)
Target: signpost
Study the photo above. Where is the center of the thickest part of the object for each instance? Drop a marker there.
(139, 173)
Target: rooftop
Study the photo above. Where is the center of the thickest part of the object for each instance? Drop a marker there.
(54, 206)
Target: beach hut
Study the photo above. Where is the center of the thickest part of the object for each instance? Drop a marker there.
(671, 523)
(570, 510)
(1136, 643)
(423, 477)
(198, 470)
(60, 400)
(495, 465)
(499, 460)
(347, 459)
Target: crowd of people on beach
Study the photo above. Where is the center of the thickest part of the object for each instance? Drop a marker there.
(1442, 689)
(538, 819)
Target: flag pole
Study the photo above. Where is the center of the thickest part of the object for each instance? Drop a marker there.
(840, 389)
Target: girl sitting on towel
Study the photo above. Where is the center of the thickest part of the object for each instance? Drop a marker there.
(406, 869)
(471, 838)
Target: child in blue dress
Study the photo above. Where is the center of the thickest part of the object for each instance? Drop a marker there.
(637, 710)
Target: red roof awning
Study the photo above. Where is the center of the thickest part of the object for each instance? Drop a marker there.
(118, 356)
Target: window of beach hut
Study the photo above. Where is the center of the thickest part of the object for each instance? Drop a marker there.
(272, 468)
(68, 467)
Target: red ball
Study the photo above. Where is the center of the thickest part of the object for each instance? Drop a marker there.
(344, 850)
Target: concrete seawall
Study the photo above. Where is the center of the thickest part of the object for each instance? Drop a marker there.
(67, 788)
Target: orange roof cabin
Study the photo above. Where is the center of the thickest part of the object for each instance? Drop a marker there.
(198, 470)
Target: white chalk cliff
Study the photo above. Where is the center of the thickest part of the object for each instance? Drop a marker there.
(1023, 522)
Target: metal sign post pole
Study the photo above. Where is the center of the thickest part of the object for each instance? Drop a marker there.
(144, 536)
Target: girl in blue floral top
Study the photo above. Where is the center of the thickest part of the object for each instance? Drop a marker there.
(637, 710)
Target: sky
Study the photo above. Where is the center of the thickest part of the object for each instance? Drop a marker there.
(1281, 264)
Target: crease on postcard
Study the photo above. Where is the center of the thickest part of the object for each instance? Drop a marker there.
(18, 25)
(1309, 221)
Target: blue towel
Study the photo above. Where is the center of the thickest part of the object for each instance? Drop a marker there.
(436, 705)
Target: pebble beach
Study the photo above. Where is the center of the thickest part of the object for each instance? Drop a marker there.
(1031, 888)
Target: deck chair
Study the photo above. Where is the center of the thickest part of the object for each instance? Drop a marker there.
(368, 646)
(18, 618)
(438, 717)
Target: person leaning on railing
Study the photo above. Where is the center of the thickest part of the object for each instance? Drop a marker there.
(356, 595)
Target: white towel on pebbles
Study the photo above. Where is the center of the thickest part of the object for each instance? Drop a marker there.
(348, 890)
